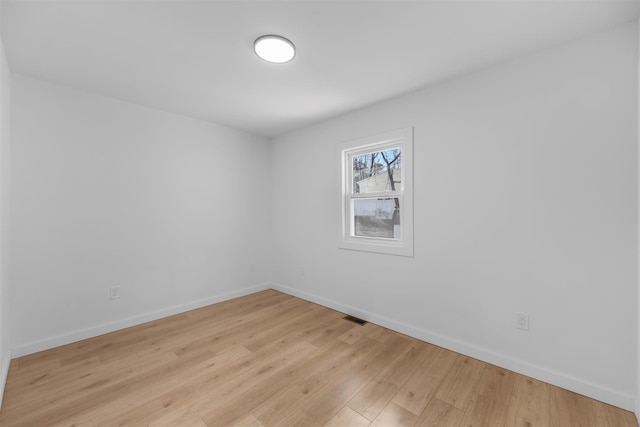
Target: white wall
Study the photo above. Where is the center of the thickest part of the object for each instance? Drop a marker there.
(526, 196)
(5, 90)
(106, 193)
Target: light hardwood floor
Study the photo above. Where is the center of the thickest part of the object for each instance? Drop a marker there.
(270, 359)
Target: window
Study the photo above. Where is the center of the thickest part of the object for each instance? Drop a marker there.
(376, 192)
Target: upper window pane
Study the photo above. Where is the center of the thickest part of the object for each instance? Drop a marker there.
(377, 171)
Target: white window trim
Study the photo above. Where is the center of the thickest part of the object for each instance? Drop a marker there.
(404, 245)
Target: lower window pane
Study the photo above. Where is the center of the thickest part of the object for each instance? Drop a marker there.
(376, 217)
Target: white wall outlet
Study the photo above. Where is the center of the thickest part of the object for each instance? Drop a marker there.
(522, 321)
(114, 292)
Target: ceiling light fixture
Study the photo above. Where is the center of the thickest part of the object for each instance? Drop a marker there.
(274, 49)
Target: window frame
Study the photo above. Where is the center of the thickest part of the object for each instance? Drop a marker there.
(403, 246)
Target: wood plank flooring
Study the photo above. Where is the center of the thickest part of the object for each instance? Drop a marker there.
(269, 359)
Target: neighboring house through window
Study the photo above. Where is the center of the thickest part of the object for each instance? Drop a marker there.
(376, 191)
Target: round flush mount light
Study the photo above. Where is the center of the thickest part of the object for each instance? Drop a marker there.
(274, 49)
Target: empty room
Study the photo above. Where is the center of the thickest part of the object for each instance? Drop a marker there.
(319, 213)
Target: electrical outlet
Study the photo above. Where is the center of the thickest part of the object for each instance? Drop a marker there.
(522, 321)
(114, 292)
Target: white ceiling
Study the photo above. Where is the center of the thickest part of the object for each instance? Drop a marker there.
(195, 57)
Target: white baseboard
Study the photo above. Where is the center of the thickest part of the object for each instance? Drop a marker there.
(637, 411)
(4, 373)
(559, 379)
(94, 331)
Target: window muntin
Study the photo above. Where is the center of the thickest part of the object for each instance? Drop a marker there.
(376, 214)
